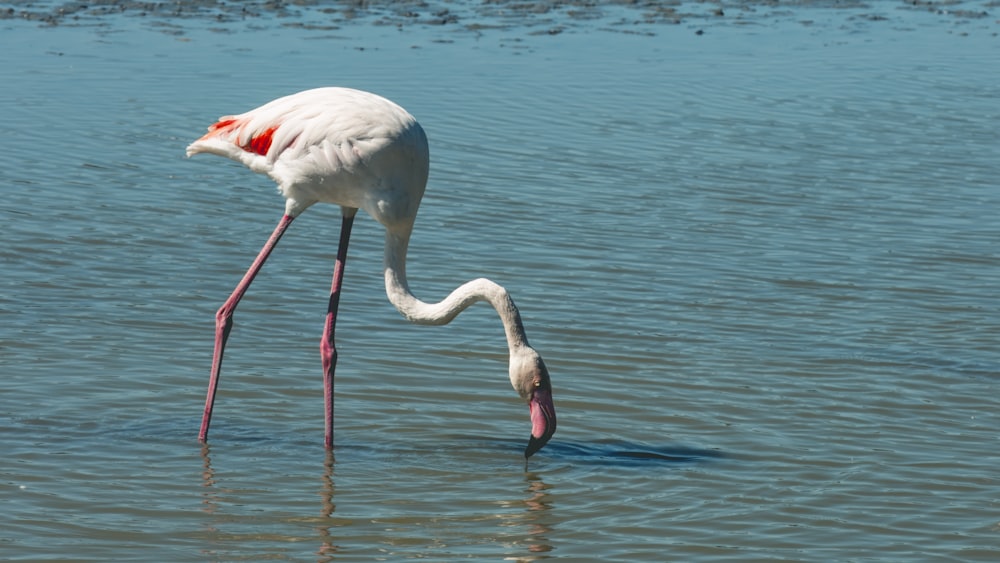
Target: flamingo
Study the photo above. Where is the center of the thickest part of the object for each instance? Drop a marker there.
(359, 150)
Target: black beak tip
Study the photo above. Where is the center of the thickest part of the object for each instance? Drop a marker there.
(535, 444)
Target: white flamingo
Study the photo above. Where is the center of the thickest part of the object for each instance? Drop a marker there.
(359, 151)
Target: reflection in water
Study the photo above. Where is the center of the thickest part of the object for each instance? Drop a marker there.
(538, 503)
(327, 549)
(523, 520)
(533, 520)
(209, 500)
(207, 481)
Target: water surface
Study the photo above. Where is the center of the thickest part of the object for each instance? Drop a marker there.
(761, 263)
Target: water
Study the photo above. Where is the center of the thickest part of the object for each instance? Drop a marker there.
(761, 264)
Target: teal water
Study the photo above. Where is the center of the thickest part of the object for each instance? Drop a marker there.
(761, 263)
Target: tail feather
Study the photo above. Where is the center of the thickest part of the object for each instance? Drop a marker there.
(228, 132)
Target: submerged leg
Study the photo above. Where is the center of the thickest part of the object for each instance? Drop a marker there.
(327, 348)
(224, 320)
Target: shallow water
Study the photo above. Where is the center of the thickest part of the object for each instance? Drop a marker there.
(761, 263)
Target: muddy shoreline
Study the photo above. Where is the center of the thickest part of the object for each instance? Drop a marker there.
(535, 17)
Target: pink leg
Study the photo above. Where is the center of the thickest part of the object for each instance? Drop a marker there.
(327, 347)
(224, 320)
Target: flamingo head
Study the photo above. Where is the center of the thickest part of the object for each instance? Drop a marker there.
(531, 380)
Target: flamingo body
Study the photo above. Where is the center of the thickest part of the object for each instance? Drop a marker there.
(335, 145)
(359, 151)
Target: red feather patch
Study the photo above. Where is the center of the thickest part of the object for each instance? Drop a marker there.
(260, 143)
(222, 126)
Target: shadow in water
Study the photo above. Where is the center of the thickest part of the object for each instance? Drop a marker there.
(619, 452)
(473, 449)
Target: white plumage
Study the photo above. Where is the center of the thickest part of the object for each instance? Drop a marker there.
(334, 145)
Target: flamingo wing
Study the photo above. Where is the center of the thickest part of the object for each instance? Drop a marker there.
(326, 144)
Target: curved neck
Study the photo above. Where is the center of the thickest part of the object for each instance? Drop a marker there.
(419, 312)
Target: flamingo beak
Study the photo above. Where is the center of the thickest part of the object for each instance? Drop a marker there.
(543, 420)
